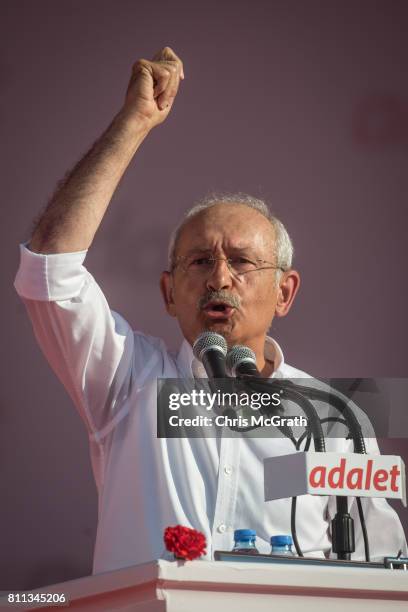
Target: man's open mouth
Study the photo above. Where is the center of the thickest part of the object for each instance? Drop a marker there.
(218, 310)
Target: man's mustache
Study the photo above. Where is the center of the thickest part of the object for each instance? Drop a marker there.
(221, 296)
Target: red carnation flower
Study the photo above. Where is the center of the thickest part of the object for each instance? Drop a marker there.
(184, 542)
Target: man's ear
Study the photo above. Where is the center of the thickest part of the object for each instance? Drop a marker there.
(288, 287)
(166, 288)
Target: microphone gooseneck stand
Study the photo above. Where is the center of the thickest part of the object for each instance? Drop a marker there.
(343, 539)
(314, 430)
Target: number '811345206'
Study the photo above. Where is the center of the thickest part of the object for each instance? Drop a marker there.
(17, 598)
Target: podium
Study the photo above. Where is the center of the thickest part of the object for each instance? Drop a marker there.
(203, 586)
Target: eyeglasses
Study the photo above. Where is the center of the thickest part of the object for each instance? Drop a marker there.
(203, 266)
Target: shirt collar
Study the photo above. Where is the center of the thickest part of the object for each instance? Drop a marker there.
(190, 367)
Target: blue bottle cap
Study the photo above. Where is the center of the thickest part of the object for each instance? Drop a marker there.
(244, 534)
(281, 540)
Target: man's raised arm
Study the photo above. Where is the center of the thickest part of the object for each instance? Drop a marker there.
(74, 213)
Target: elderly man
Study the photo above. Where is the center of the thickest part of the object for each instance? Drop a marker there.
(230, 271)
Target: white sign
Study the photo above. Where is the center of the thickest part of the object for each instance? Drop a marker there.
(348, 474)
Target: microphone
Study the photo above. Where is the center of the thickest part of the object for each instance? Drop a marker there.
(241, 361)
(211, 349)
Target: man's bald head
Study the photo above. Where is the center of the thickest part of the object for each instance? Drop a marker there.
(283, 247)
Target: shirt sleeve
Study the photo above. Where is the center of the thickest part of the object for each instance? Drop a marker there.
(90, 348)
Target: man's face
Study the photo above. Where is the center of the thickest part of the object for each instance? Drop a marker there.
(240, 307)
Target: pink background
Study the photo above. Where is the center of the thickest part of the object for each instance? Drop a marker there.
(302, 103)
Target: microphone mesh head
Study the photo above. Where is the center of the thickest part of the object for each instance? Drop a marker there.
(239, 354)
(209, 340)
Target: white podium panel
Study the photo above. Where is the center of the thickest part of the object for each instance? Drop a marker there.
(202, 586)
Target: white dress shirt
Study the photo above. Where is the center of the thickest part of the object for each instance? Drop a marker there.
(145, 483)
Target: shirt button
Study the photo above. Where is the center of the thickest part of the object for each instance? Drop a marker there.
(228, 470)
(222, 528)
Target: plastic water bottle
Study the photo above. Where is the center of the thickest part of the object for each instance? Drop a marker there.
(282, 545)
(244, 541)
